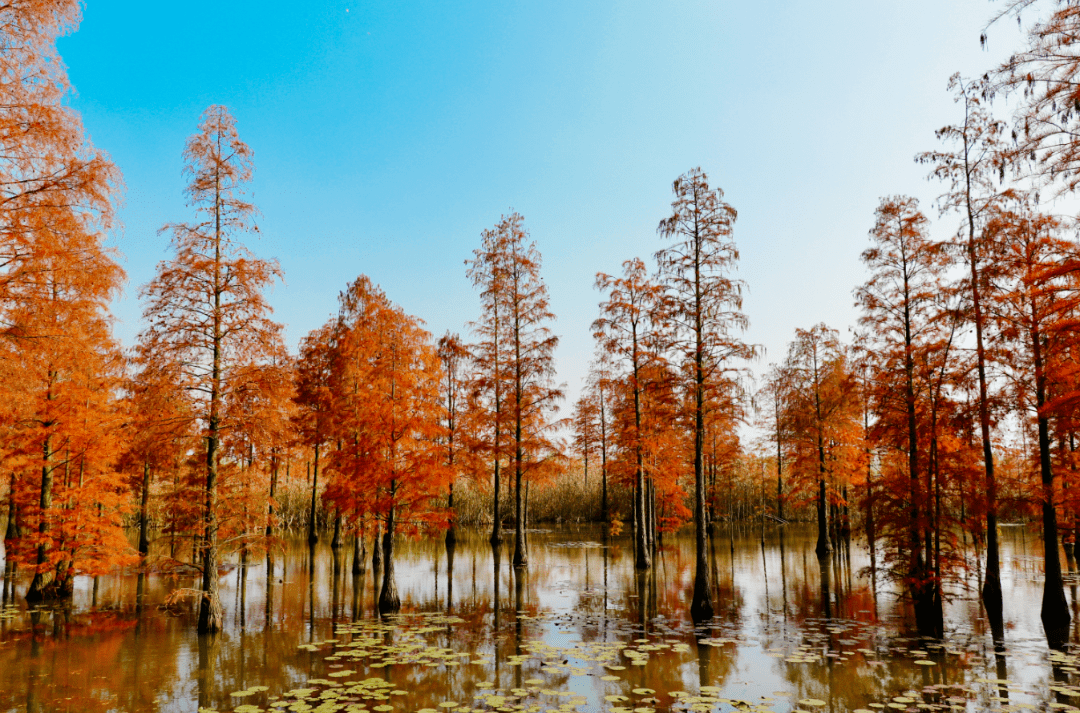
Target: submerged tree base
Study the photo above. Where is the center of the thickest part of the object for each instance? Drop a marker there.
(824, 548)
(1055, 616)
(389, 603)
(701, 608)
(211, 614)
(929, 613)
(991, 599)
(49, 590)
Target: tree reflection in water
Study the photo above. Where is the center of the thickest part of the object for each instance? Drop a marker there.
(812, 631)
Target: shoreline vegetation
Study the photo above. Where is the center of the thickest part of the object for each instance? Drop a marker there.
(564, 500)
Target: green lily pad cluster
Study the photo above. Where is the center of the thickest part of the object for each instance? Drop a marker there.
(416, 646)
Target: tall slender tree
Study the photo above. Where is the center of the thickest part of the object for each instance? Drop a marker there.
(585, 431)
(206, 309)
(57, 194)
(898, 304)
(772, 399)
(632, 329)
(487, 271)
(314, 377)
(697, 271)
(599, 384)
(820, 407)
(1037, 312)
(507, 267)
(453, 358)
(972, 172)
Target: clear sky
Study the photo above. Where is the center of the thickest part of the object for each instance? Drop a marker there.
(388, 135)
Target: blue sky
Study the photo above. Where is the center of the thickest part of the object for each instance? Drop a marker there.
(388, 135)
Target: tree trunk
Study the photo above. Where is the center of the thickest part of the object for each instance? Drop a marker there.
(642, 559)
(335, 542)
(845, 517)
(40, 588)
(779, 461)
(521, 557)
(377, 550)
(11, 533)
(210, 611)
(270, 503)
(313, 536)
(359, 560)
(916, 574)
(144, 512)
(496, 522)
(388, 595)
(871, 525)
(701, 608)
(1065, 531)
(991, 591)
(1055, 611)
(605, 514)
(926, 591)
(824, 543)
(451, 531)
(651, 501)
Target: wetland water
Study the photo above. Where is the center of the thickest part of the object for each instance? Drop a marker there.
(578, 630)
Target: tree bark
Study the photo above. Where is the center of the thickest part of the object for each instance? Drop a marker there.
(144, 512)
(313, 535)
(824, 542)
(451, 531)
(40, 588)
(642, 559)
(1055, 611)
(12, 530)
(605, 514)
(270, 504)
(359, 560)
(210, 610)
(377, 550)
(389, 602)
(335, 542)
(521, 556)
(701, 608)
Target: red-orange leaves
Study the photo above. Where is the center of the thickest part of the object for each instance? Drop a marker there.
(387, 421)
(386, 413)
(206, 311)
(515, 358)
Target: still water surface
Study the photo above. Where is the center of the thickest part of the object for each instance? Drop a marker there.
(579, 630)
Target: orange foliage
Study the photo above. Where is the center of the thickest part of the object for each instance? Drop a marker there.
(61, 364)
(515, 361)
(208, 318)
(386, 415)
